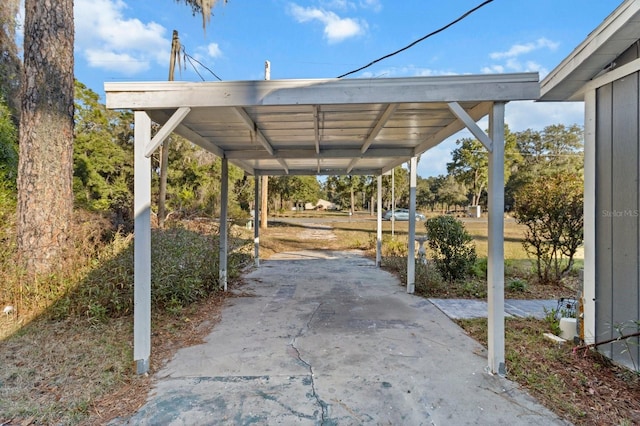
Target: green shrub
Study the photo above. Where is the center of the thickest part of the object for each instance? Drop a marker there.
(453, 250)
(517, 285)
(551, 208)
(184, 270)
(473, 288)
(552, 320)
(428, 278)
(392, 247)
(479, 268)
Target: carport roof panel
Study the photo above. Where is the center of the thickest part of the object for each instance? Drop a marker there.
(347, 126)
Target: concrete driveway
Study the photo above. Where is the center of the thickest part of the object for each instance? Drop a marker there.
(326, 338)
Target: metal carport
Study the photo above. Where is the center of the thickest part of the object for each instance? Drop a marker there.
(321, 127)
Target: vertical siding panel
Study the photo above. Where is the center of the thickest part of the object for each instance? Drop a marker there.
(635, 342)
(603, 219)
(625, 206)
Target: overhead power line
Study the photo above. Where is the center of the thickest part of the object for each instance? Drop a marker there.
(439, 30)
(191, 59)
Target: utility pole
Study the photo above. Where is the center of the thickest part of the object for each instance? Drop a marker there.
(265, 179)
(164, 150)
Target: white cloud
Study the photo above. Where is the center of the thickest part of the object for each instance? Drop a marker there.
(493, 69)
(374, 5)
(344, 5)
(109, 40)
(512, 61)
(521, 49)
(336, 29)
(338, 4)
(213, 49)
(109, 60)
(525, 115)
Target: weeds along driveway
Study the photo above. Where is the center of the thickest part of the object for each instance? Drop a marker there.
(325, 337)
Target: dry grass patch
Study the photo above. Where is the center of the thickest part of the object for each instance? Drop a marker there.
(78, 372)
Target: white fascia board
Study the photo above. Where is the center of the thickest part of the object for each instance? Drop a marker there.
(483, 87)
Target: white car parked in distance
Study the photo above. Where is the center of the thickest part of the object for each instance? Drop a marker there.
(401, 214)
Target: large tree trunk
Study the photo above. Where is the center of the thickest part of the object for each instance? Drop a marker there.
(45, 170)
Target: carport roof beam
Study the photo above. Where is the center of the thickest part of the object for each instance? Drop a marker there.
(166, 130)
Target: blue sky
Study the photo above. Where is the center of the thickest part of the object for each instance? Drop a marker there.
(118, 40)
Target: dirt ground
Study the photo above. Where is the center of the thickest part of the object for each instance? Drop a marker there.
(171, 336)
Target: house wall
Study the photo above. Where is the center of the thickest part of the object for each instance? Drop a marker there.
(617, 222)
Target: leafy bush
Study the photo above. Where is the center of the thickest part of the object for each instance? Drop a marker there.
(479, 268)
(517, 285)
(428, 279)
(552, 320)
(551, 207)
(453, 250)
(184, 270)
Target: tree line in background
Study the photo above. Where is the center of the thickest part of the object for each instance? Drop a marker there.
(103, 171)
(529, 156)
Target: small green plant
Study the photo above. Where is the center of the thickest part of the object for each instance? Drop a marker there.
(454, 251)
(97, 313)
(479, 268)
(475, 289)
(627, 333)
(517, 285)
(174, 307)
(552, 320)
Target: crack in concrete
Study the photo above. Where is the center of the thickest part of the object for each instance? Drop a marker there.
(323, 405)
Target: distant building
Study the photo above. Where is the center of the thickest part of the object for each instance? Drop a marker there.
(321, 205)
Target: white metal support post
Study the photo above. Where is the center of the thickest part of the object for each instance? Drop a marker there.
(393, 202)
(588, 329)
(142, 244)
(379, 224)
(224, 201)
(495, 261)
(256, 218)
(411, 252)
